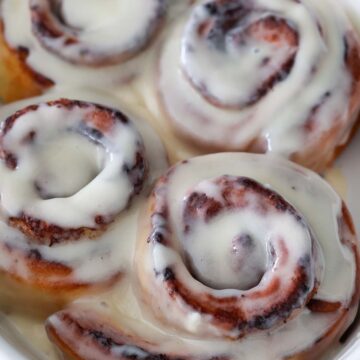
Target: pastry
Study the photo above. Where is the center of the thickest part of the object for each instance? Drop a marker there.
(239, 256)
(71, 172)
(276, 77)
(51, 41)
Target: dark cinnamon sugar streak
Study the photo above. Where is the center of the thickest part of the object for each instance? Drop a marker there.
(70, 330)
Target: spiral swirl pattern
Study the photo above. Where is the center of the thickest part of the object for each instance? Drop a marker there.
(85, 37)
(263, 76)
(70, 174)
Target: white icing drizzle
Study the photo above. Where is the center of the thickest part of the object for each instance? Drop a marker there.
(277, 120)
(313, 198)
(142, 89)
(230, 70)
(92, 260)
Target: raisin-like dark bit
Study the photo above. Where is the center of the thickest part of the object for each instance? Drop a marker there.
(11, 161)
(157, 237)
(34, 255)
(211, 8)
(120, 116)
(103, 340)
(168, 274)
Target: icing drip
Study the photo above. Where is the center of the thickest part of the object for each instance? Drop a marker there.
(93, 260)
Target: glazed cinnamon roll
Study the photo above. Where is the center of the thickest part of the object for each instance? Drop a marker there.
(70, 174)
(280, 77)
(80, 42)
(239, 257)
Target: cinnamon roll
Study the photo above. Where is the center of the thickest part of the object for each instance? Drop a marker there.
(80, 42)
(277, 77)
(239, 257)
(72, 173)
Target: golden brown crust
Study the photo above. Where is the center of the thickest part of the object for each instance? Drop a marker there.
(17, 81)
(49, 285)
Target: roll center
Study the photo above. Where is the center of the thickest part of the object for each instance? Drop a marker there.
(66, 165)
(229, 252)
